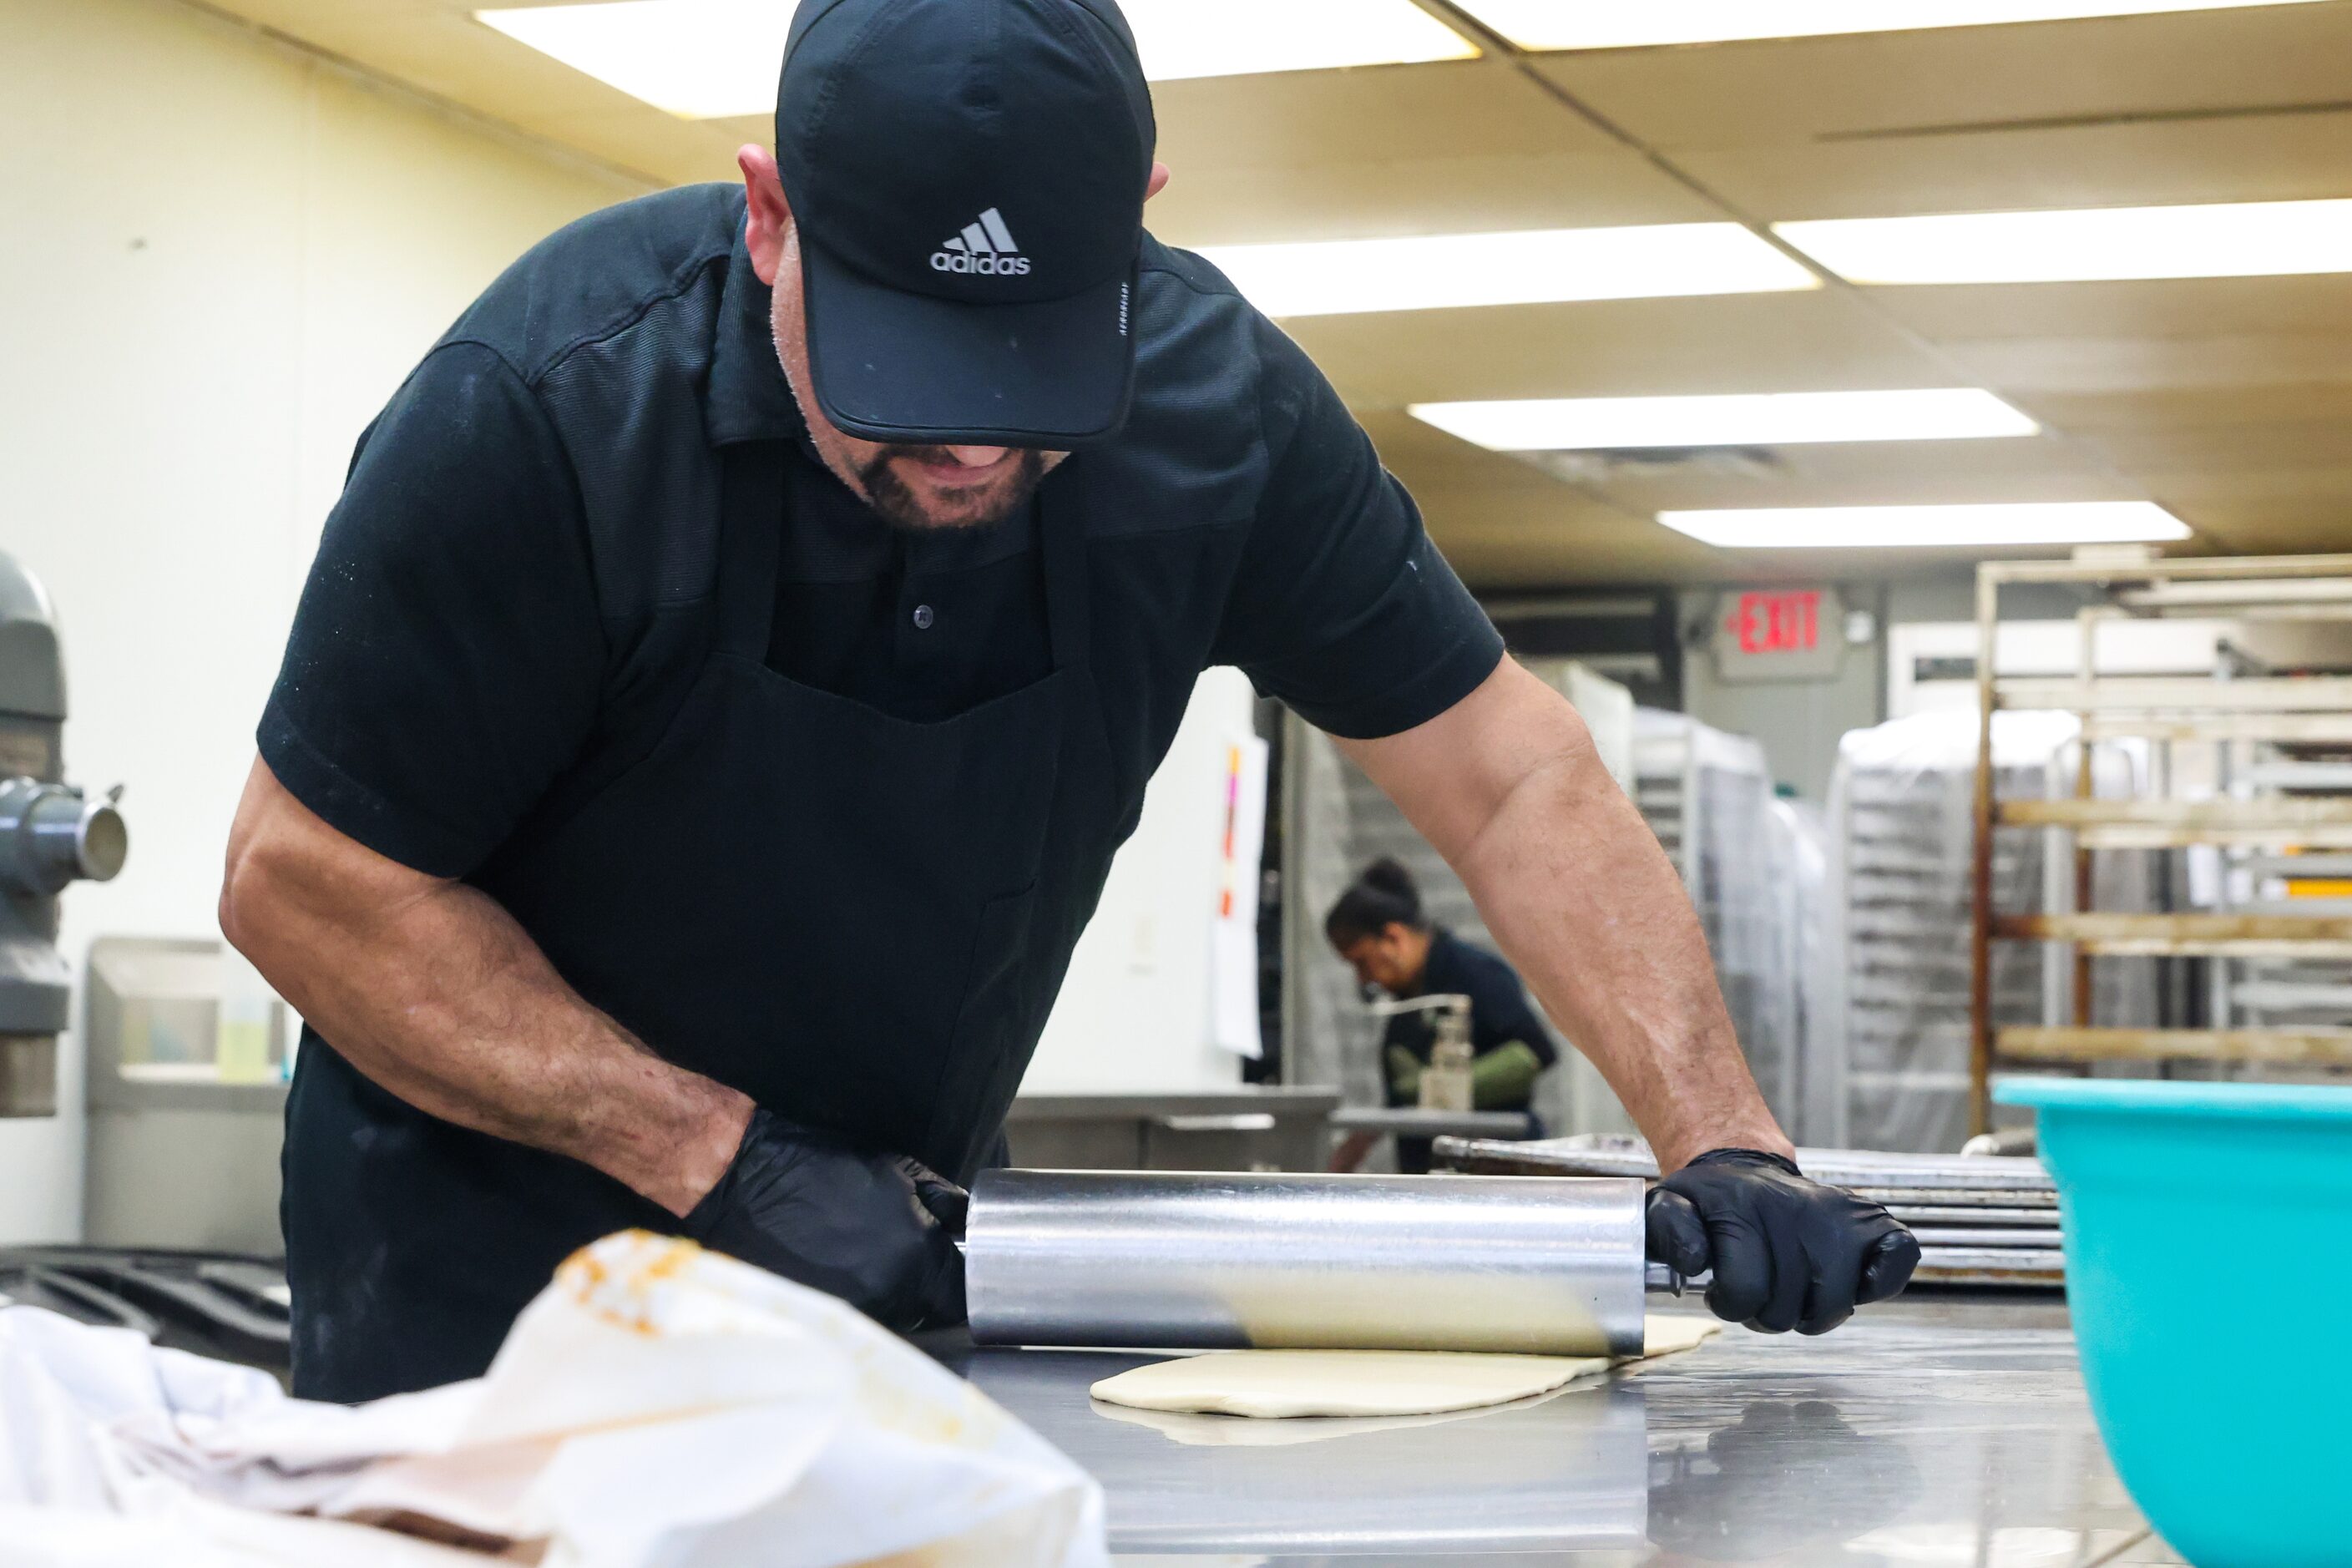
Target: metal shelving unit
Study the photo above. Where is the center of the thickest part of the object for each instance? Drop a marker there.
(1888, 1066)
(2279, 975)
(1707, 794)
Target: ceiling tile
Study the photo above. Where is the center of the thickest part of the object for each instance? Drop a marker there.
(2271, 507)
(1380, 114)
(1865, 473)
(1450, 148)
(2324, 484)
(1754, 343)
(1470, 194)
(2192, 407)
(2064, 365)
(2159, 308)
(2231, 449)
(2246, 158)
(2270, 528)
(2210, 408)
(1738, 94)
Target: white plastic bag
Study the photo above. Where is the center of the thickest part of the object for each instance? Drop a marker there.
(657, 1405)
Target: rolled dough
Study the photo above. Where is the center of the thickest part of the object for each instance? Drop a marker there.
(1663, 1334)
(1219, 1430)
(1339, 1383)
(1367, 1382)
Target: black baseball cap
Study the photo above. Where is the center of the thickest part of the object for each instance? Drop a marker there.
(967, 179)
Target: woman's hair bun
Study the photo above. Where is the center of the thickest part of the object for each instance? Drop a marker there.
(1388, 875)
(1381, 896)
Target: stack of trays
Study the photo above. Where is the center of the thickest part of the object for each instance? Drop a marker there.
(225, 1305)
(1982, 1219)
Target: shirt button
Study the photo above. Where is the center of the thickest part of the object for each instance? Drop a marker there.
(923, 617)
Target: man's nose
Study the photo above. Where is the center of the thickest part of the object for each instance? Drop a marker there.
(977, 457)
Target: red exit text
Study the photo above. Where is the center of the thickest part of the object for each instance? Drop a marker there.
(1776, 623)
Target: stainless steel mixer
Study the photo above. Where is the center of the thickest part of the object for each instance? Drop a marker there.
(50, 835)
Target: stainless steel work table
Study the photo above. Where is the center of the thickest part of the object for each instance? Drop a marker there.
(1950, 1430)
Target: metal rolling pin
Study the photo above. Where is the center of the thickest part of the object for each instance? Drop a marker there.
(1534, 1266)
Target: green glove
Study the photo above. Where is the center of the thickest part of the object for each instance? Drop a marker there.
(1404, 1076)
(1504, 1078)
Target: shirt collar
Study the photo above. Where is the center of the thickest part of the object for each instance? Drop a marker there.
(747, 398)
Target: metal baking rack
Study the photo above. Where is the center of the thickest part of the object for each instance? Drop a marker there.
(1982, 1220)
(2272, 818)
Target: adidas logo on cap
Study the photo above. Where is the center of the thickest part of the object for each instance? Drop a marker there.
(984, 247)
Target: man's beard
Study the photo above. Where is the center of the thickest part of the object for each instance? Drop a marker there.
(900, 507)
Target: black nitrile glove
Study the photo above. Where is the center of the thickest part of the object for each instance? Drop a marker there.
(876, 1230)
(1787, 1252)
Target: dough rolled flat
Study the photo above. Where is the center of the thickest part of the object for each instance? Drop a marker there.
(1663, 1334)
(1339, 1383)
(1189, 1429)
(1276, 1383)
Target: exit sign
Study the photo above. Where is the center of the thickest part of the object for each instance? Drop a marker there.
(1778, 634)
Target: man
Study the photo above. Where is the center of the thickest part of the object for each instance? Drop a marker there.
(741, 646)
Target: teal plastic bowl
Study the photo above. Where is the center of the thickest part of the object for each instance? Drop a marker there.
(2209, 1273)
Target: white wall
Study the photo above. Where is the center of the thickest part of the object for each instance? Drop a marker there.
(218, 258)
(1133, 1017)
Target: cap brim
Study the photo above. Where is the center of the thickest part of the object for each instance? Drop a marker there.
(910, 368)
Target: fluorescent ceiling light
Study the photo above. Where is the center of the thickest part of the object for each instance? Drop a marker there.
(1564, 24)
(2235, 239)
(706, 59)
(1880, 527)
(1429, 273)
(698, 59)
(1761, 419)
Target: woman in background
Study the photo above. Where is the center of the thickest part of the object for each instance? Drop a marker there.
(1377, 925)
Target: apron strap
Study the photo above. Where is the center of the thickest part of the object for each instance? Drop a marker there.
(1069, 624)
(750, 542)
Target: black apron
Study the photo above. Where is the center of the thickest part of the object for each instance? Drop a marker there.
(859, 920)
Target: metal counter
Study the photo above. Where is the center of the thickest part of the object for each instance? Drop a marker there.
(1928, 1431)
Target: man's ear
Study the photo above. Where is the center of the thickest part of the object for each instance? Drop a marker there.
(767, 216)
(1159, 181)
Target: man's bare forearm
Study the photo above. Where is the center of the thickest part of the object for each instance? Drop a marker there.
(433, 991)
(1577, 889)
(1582, 898)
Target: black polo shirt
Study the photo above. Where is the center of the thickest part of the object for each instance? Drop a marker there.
(501, 583)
